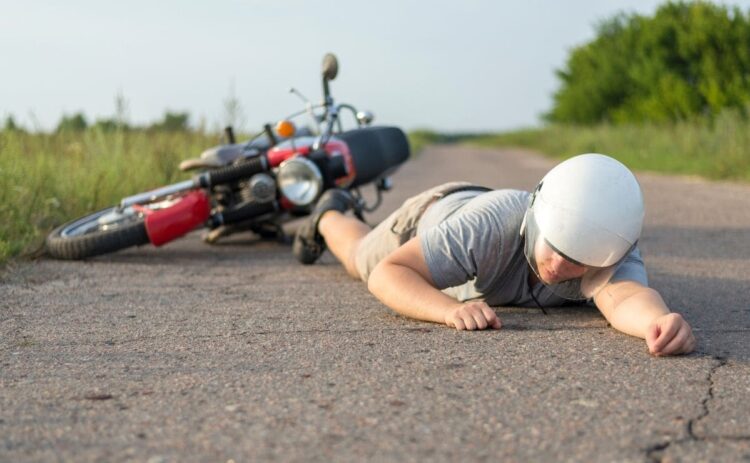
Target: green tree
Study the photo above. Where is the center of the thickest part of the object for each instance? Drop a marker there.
(73, 123)
(172, 122)
(690, 58)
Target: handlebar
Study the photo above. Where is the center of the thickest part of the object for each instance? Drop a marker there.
(233, 173)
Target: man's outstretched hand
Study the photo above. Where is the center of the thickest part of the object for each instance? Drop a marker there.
(473, 315)
(670, 334)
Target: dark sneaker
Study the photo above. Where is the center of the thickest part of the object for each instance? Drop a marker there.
(308, 243)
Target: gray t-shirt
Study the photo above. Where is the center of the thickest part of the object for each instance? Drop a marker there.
(473, 248)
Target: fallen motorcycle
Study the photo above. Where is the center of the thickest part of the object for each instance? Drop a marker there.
(257, 185)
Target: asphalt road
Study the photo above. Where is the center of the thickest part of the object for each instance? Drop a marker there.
(234, 352)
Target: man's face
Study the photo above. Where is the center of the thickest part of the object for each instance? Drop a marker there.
(554, 268)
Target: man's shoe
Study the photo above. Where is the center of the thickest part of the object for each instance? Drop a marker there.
(308, 243)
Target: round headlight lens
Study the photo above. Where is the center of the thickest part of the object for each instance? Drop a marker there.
(300, 181)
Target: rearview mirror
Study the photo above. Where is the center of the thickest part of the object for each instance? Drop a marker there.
(330, 66)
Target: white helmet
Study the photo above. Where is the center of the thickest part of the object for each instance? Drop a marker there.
(588, 210)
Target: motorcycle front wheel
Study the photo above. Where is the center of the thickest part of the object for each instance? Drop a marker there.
(102, 232)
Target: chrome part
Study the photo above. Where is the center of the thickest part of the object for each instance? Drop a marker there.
(309, 109)
(153, 195)
(300, 95)
(112, 217)
(365, 117)
(385, 184)
(300, 181)
(332, 118)
(100, 221)
(261, 188)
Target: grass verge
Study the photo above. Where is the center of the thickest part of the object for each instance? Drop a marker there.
(719, 150)
(47, 179)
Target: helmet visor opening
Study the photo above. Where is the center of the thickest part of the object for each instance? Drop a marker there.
(563, 275)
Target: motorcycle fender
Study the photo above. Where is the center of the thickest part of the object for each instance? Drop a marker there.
(166, 224)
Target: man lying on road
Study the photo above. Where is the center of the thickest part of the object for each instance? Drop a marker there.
(448, 254)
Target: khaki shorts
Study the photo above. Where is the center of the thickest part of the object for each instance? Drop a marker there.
(399, 227)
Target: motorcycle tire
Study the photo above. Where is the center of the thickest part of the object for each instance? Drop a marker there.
(86, 237)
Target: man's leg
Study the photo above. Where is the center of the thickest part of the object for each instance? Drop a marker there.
(342, 235)
(309, 242)
(353, 243)
(358, 247)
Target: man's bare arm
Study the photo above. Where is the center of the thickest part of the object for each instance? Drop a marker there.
(640, 311)
(403, 282)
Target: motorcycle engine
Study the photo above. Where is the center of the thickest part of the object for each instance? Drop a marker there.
(261, 188)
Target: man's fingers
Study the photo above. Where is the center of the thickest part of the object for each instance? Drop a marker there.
(473, 316)
(484, 316)
(492, 320)
(652, 334)
(479, 319)
(689, 344)
(469, 321)
(669, 327)
(693, 343)
(677, 344)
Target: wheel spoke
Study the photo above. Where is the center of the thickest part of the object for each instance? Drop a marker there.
(107, 219)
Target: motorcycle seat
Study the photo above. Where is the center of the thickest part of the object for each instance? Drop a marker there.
(376, 151)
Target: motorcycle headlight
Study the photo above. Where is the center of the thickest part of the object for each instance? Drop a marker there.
(299, 180)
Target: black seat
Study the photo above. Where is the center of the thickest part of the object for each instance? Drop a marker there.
(376, 151)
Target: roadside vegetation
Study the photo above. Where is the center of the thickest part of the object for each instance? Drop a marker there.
(690, 59)
(47, 179)
(667, 93)
(717, 149)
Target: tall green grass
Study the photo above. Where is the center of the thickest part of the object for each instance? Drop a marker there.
(718, 149)
(47, 179)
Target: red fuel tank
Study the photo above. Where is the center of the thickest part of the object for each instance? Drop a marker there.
(164, 225)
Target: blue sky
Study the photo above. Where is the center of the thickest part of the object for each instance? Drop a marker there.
(450, 66)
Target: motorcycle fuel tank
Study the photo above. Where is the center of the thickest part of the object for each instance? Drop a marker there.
(164, 225)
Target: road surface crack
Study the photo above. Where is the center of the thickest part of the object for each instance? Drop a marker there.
(655, 453)
(706, 400)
